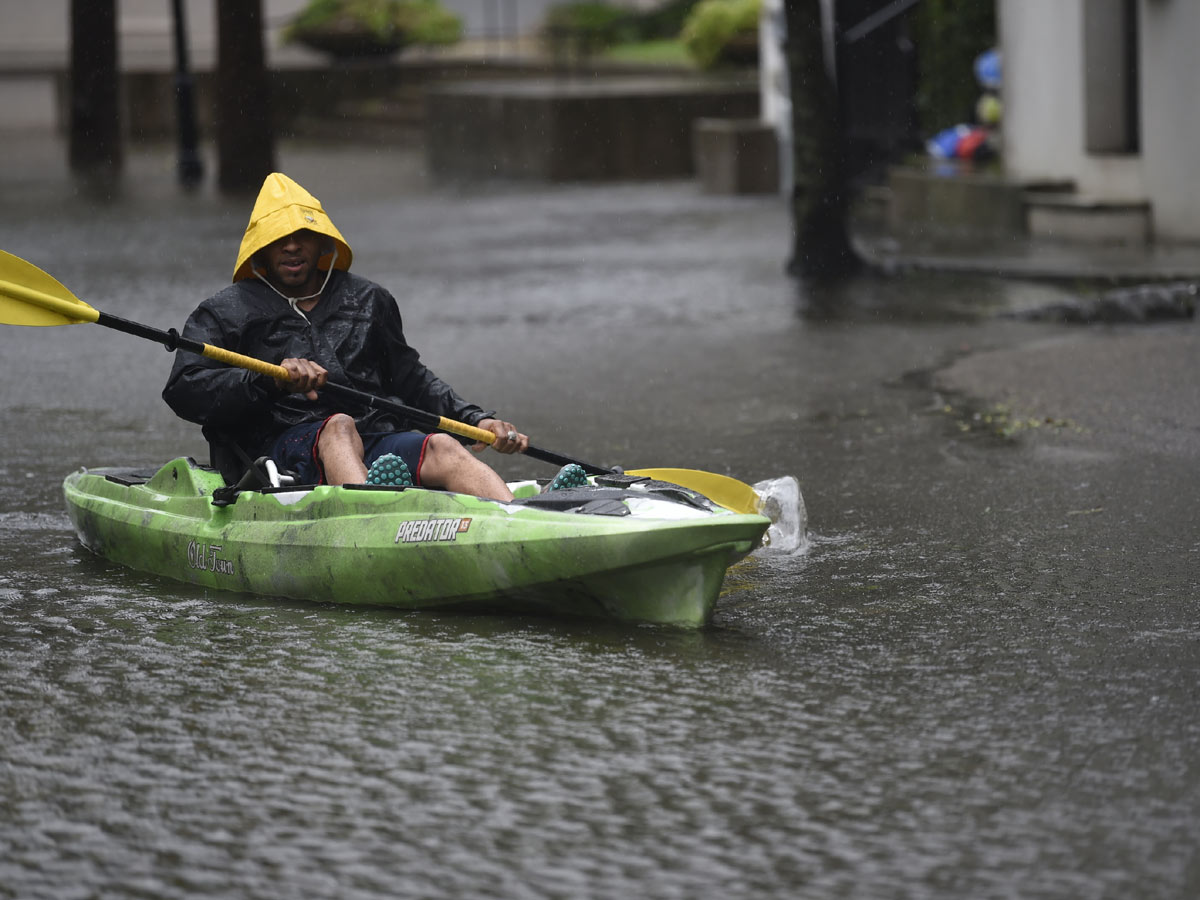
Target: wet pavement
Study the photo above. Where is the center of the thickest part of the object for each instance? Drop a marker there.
(977, 680)
(1033, 258)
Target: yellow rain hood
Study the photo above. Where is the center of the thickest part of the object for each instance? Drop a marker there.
(281, 208)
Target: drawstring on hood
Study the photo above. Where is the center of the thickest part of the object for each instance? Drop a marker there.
(294, 301)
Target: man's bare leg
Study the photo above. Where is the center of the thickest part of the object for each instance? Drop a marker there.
(451, 466)
(340, 450)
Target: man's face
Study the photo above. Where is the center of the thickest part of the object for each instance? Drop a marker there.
(291, 263)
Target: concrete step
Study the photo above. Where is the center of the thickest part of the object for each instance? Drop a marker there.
(1071, 217)
(965, 198)
(956, 197)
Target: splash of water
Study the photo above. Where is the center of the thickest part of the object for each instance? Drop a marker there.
(783, 504)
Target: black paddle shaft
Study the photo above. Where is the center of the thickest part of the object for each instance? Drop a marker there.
(173, 341)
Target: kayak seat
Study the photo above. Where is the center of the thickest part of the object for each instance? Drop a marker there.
(263, 474)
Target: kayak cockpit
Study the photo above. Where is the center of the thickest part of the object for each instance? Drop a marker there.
(615, 495)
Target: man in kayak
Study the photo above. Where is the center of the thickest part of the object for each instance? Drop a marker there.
(293, 301)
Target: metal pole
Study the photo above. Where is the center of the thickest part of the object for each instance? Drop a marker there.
(191, 169)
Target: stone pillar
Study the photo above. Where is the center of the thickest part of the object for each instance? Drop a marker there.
(736, 156)
(94, 136)
(245, 135)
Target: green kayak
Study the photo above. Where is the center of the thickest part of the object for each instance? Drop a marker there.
(623, 547)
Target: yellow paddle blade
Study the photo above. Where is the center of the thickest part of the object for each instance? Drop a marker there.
(28, 296)
(720, 489)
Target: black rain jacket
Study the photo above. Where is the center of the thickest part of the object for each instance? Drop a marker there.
(355, 332)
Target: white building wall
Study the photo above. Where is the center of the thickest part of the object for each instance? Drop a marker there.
(1042, 44)
(774, 90)
(1044, 111)
(1170, 59)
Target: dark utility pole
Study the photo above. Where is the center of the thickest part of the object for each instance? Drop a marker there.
(94, 130)
(245, 139)
(191, 169)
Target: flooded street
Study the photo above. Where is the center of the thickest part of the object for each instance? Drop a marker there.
(978, 680)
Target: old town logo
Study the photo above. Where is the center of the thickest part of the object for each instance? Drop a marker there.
(207, 558)
(440, 530)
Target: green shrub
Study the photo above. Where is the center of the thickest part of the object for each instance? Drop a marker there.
(416, 21)
(588, 25)
(434, 24)
(716, 29)
(662, 21)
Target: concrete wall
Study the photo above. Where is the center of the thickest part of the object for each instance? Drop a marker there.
(1171, 115)
(307, 102)
(589, 130)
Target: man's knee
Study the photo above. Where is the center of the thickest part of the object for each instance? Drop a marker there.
(444, 446)
(338, 430)
(444, 454)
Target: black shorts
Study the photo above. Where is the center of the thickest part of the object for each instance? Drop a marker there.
(296, 450)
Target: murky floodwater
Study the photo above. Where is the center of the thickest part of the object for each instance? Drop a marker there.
(977, 681)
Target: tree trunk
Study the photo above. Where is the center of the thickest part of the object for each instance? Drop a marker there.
(245, 139)
(94, 130)
(821, 243)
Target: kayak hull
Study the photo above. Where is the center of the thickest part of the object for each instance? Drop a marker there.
(414, 548)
